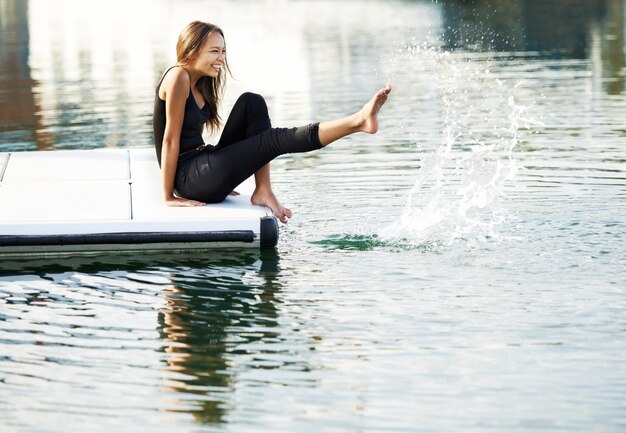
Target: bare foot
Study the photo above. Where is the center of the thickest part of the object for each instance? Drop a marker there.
(369, 112)
(267, 198)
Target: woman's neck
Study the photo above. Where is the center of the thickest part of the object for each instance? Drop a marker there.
(194, 76)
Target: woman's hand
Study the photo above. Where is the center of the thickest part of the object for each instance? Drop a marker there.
(234, 193)
(182, 202)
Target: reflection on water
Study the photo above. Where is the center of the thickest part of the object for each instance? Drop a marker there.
(608, 39)
(81, 74)
(210, 315)
(217, 318)
(578, 29)
(550, 27)
(77, 74)
(20, 111)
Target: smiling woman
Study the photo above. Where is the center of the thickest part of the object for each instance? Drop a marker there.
(187, 100)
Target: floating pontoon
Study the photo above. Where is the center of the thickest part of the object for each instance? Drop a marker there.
(94, 201)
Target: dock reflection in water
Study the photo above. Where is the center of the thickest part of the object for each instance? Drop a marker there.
(218, 320)
(218, 323)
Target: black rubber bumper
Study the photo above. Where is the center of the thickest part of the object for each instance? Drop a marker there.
(127, 238)
(269, 232)
(268, 237)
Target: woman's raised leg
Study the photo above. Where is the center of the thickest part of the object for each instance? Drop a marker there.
(365, 120)
(212, 176)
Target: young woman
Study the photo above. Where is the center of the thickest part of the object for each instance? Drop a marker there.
(187, 100)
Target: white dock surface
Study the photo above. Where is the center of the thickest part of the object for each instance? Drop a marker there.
(73, 192)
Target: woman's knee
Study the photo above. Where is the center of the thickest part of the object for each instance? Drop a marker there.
(257, 115)
(253, 100)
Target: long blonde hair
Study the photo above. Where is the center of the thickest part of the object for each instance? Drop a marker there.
(189, 43)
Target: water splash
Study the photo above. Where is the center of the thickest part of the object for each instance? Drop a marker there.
(458, 188)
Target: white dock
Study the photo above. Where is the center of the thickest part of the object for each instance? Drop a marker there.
(94, 201)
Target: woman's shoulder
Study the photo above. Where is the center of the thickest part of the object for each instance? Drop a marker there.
(176, 74)
(175, 78)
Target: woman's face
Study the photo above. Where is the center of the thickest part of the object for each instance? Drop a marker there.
(212, 55)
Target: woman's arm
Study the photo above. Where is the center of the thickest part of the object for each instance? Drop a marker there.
(175, 90)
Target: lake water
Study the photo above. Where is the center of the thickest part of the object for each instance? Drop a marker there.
(463, 270)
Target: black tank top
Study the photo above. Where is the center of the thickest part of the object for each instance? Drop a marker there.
(193, 122)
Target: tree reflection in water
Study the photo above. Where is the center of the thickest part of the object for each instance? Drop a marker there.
(559, 29)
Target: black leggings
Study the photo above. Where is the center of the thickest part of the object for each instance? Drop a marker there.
(248, 142)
